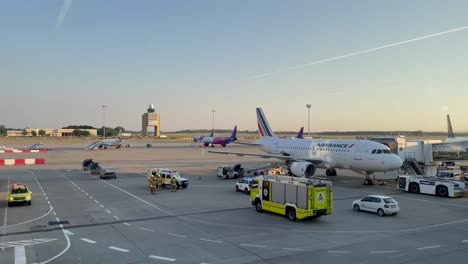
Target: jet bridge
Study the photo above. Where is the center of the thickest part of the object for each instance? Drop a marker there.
(421, 157)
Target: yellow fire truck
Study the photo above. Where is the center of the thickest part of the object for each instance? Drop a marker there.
(296, 198)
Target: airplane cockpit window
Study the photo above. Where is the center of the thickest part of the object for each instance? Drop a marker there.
(373, 151)
(386, 151)
(379, 151)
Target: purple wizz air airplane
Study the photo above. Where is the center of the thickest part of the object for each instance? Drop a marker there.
(223, 141)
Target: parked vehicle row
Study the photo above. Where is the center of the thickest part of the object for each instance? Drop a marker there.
(96, 169)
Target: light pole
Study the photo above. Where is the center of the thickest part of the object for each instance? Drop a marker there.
(104, 120)
(308, 118)
(213, 111)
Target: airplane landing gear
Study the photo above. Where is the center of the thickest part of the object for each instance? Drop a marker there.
(368, 180)
(330, 172)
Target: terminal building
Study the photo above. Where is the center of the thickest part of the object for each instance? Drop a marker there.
(52, 132)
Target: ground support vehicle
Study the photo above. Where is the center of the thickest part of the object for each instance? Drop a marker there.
(380, 204)
(19, 193)
(86, 164)
(431, 185)
(244, 184)
(233, 172)
(270, 170)
(296, 198)
(166, 175)
(107, 173)
(95, 168)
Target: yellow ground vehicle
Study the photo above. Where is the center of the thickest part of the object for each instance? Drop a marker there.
(19, 193)
(296, 198)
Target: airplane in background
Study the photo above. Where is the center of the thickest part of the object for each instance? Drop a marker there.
(300, 134)
(200, 138)
(223, 141)
(450, 135)
(107, 143)
(304, 156)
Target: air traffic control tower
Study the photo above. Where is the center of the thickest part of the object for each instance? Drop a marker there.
(151, 119)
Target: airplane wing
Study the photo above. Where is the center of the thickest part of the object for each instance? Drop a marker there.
(246, 143)
(315, 160)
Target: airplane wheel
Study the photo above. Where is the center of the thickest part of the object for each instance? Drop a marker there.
(328, 172)
(333, 172)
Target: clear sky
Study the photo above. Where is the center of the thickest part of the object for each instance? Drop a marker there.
(61, 60)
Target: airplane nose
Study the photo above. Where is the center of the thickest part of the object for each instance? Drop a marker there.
(396, 162)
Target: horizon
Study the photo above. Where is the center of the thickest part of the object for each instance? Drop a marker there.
(354, 62)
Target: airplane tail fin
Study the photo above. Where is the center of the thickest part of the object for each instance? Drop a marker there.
(234, 133)
(212, 132)
(120, 134)
(449, 128)
(263, 126)
(300, 133)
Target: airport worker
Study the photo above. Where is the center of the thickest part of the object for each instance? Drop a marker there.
(152, 185)
(159, 182)
(173, 184)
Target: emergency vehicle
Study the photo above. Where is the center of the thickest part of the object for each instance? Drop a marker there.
(166, 175)
(430, 185)
(19, 193)
(296, 198)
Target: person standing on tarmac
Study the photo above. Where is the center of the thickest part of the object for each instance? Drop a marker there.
(152, 185)
(159, 182)
(173, 184)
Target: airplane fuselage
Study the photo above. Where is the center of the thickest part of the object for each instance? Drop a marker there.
(355, 155)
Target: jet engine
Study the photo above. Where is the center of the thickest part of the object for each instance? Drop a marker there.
(302, 168)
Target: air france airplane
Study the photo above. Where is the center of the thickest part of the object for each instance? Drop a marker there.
(304, 156)
(450, 135)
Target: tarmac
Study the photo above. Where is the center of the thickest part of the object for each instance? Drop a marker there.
(77, 218)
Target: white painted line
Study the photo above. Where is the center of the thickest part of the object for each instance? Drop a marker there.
(147, 229)
(108, 211)
(119, 249)
(102, 206)
(44, 194)
(82, 190)
(46, 198)
(86, 193)
(20, 255)
(48, 202)
(209, 240)
(171, 234)
(127, 224)
(116, 217)
(250, 245)
(464, 241)
(294, 249)
(68, 232)
(88, 241)
(91, 197)
(428, 247)
(162, 258)
(96, 201)
(58, 219)
(340, 251)
(383, 252)
(54, 213)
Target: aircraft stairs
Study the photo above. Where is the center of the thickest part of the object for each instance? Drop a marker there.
(412, 167)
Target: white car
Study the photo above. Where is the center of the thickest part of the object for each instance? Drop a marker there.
(382, 205)
(244, 185)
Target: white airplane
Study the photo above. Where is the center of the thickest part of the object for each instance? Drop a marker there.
(305, 155)
(106, 143)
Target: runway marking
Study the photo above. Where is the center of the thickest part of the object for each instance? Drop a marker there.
(88, 241)
(46, 198)
(127, 224)
(138, 198)
(91, 197)
(108, 211)
(383, 252)
(116, 217)
(251, 245)
(162, 258)
(48, 202)
(102, 206)
(96, 201)
(464, 241)
(119, 249)
(20, 255)
(54, 213)
(5, 218)
(209, 240)
(32, 220)
(147, 229)
(428, 247)
(44, 194)
(171, 234)
(340, 251)
(86, 193)
(294, 249)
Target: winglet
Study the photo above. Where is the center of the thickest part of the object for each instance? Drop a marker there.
(449, 128)
(263, 126)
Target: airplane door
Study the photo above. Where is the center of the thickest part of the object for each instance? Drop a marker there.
(358, 153)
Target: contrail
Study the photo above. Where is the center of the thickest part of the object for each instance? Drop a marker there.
(63, 12)
(301, 66)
